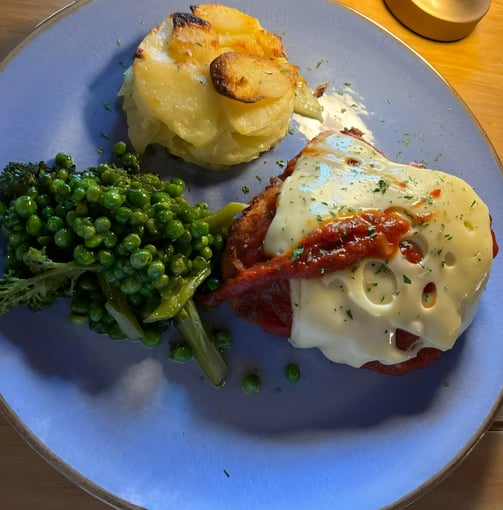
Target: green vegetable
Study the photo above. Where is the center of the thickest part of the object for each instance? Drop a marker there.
(181, 352)
(251, 383)
(49, 281)
(222, 339)
(125, 245)
(192, 329)
(292, 372)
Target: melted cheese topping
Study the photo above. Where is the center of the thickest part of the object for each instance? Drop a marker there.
(352, 315)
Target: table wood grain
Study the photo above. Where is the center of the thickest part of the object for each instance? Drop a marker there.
(474, 69)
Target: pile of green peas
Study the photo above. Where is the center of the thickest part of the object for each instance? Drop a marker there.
(139, 231)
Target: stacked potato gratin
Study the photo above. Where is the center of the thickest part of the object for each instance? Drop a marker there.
(213, 87)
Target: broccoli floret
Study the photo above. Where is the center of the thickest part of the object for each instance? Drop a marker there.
(17, 178)
(50, 280)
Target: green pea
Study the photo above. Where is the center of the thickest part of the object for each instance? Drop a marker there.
(187, 214)
(78, 319)
(63, 174)
(152, 337)
(105, 257)
(155, 269)
(25, 206)
(71, 216)
(64, 238)
(120, 148)
(112, 199)
(199, 229)
(47, 211)
(87, 283)
(251, 383)
(96, 312)
(43, 199)
(151, 248)
(206, 252)
(200, 243)
(292, 372)
(21, 250)
(218, 242)
(84, 227)
(94, 241)
(137, 197)
(151, 227)
(78, 194)
(131, 242)
(63, 160)
(94, 194)
(45, 180)
(164, 216)
(32, 192)
(34, 225)
(61, 189)
(130, 286)
(130, 160)
(140, 258)
(222, 339)
(81, 305)
(178, 265)
(54, 223)
(102, 224)
(181, 352)
(161, 282)
(138, 218)
(123, 215)
(108, 175)
(158, 197)
(174, 229)
(83, 256)
(88, 180)
(110, 239)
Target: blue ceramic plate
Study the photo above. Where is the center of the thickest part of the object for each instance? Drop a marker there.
(132, 427)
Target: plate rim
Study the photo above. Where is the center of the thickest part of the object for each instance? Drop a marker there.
(111, 499)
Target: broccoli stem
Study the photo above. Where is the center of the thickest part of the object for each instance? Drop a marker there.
(118, 307)
(190, 326)
(223, 217)
(171, 306)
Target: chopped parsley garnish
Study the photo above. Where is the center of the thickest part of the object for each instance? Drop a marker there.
(297, 252)
(382, 186)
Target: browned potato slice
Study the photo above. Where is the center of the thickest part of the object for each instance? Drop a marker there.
(240, 29)
(249, 78)
(192, 39)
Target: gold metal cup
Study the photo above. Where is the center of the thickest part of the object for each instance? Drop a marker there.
(441, 20)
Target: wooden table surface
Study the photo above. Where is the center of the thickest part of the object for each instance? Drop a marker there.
(476, 72)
